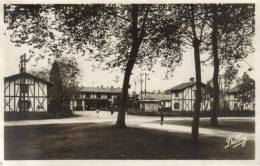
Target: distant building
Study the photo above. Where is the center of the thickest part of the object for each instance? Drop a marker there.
(25, 92)
(154, 102)
(89, 98)
(234, 103)
(133, 101)
(183, 97)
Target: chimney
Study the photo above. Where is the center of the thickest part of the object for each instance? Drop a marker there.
(112, 87)
(101, 86)
(192, 79)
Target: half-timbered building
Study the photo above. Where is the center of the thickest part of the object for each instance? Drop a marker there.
(234, 103)
(24, 92)
(183, 97)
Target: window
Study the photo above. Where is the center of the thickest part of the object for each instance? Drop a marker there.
(98, 95)
(235, 96)
(87, 95)
(176, 106)
(176, 94)
(109, 96)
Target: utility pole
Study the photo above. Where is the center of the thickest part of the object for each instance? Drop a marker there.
(141, 87)
(145, 85)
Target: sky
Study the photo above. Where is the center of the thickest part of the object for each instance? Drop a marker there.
(98, 77)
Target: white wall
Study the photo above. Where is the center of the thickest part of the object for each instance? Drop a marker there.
(232, 101)
(151, 107)
(186, 100)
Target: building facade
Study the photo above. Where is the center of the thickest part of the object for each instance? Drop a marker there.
(154, 102)
(234, 103)
(25, 92)
(90, 98)
(183, 97)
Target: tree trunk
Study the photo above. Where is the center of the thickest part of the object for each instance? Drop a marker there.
(129, 67)
(124, 98)
(196, 114)
(196, 48)
(214, 41)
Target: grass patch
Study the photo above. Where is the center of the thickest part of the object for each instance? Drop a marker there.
(102, 141)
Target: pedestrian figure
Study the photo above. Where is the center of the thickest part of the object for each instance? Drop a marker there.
(162, 116)
(97, 110)
(112, 111)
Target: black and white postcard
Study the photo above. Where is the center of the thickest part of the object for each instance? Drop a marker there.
(129, 83)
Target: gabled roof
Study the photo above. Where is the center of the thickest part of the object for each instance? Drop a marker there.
(234, 90)
(182, 86)
(161, 97)
(26, 75)
(100, 90)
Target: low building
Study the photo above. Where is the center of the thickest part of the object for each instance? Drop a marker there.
(133, 101)
(234, 103)
(183, 96)
(24, 92)
(154, 102)
(89, 98)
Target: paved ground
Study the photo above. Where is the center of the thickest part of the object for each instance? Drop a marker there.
(135, 121)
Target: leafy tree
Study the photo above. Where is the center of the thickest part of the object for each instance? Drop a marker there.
(187, 26)
(232, 31)
(246, 86)
(55, 95)
(229, 75)
(137, 29)
(197, 13)
(43, 73)
(68, 74)
(64, 74)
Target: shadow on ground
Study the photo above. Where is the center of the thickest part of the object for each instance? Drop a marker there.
(102, 141)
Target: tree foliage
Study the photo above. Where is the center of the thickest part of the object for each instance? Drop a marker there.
(64, 75)
(246, 86)
(54, 92)
(42, 73)
(187, 24)
(232, 31)
(235, 30)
